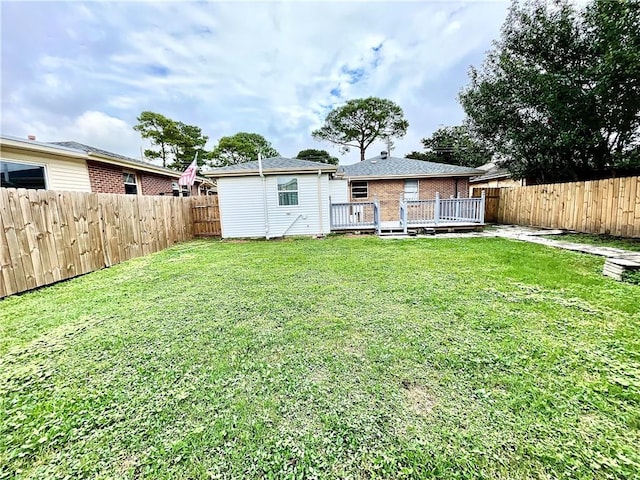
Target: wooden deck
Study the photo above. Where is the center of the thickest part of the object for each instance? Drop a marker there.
(413, 215)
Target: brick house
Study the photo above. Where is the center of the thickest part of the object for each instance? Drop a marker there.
(388, 178)
(77, 167)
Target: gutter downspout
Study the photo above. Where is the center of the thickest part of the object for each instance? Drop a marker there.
(264, 197)
(321, 234)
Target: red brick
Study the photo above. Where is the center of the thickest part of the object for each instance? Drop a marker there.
(106, 178)
(388, 192)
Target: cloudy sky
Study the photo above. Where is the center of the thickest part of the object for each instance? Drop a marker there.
(84, 71)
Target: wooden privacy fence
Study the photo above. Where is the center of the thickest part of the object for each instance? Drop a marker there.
(206, 216)
(610, 206)
(47, 236)
(491, 202)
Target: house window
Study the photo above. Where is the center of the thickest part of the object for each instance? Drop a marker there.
(411, 189)
(22, 175)
(130, 184)
(287, 191)
(359, 189)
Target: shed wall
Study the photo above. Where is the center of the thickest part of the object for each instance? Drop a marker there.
(339, 191)
(242, 209)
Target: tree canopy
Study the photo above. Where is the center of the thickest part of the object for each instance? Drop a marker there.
(558, 96)
(241, 147)
(313, 155)
(454, 145)
(360, 122)
(175, 143)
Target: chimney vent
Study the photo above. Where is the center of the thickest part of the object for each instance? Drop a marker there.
(384, 154)
(31, 137)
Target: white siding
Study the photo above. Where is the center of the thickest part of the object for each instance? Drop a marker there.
(339, 191)
(63, 173)
(242, 207)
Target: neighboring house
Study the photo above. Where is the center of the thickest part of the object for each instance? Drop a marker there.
(274, 198)
(494, 176)
(388, 178)
(77, 167)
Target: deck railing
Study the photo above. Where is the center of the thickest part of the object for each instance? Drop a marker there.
(417, 213)
(446, 210)
(354, 215)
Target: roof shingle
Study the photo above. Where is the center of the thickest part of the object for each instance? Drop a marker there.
(378, 167)
(272, 164)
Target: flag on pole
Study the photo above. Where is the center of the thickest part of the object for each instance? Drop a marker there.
(189, 175)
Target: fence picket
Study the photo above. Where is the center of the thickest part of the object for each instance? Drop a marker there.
(610, 206)
(47, 236)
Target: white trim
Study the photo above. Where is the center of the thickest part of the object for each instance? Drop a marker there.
(297, 190)
(417, 192)
(366, 197)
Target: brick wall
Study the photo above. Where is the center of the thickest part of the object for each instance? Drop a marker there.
(105, 178)
(155, 184)
(389, 191)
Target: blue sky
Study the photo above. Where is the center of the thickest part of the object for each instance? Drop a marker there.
(84, 71)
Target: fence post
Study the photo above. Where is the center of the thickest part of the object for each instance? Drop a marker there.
(458, 207)
(436, 209)
(482, 207)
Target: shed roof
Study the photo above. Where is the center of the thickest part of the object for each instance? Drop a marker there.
(393, 167)
(271, 165)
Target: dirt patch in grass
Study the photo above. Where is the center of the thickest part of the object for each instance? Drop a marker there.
(419, 398)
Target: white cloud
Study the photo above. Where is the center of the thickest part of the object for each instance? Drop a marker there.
(272, 68)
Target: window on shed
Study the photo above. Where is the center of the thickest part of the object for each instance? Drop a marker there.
(411, 190)
(22, 175)
(287, 191)
(130, 183)
(359, 189)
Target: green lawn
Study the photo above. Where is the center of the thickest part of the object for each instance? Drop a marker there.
(631, 244)
(337, 358)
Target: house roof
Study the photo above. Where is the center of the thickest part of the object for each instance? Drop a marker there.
(119, 159)
(122, 160)
(273, 165)
(10, 141)
(394, 167)
(492, 171)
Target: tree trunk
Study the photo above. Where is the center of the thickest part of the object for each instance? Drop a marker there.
(361, 154)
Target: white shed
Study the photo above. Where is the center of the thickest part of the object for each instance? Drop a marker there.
(276, 197)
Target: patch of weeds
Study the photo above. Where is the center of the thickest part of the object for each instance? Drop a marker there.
(632, 276)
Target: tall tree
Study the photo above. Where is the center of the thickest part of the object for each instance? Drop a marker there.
(455, 145)
(558, 96)
(321, 156)
(360, 122)
(190, 141)
(241, 147)
(176, 142)
(161, 131)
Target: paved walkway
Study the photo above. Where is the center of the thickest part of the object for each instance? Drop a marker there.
(534, 235)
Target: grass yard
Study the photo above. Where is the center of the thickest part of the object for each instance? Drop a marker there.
(631, 244)
(342, 358)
